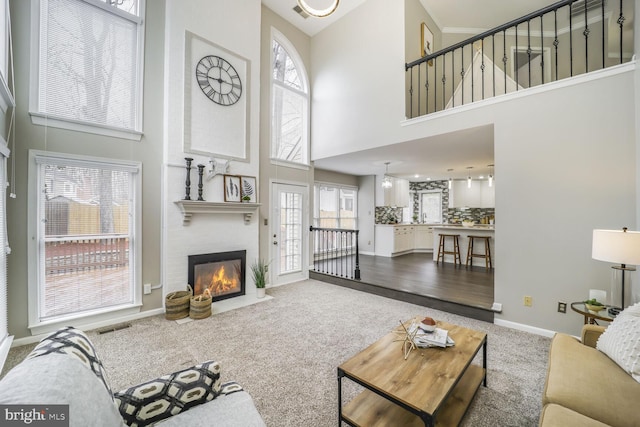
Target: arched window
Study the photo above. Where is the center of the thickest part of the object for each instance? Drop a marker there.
(289, 104)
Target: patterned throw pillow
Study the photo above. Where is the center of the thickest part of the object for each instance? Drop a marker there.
(73, 342)
(621, 341)
(170, 394)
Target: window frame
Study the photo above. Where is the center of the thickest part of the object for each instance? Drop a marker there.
(43, 119)
(38, 326)
(304, 80)
(6, 97)
(338, 188)
(421, 207)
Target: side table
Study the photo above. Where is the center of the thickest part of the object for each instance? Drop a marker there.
(591, 317)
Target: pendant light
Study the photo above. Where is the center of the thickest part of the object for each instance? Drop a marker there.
(450, 180)
(386, 181)
(469, 177)
(318, 13)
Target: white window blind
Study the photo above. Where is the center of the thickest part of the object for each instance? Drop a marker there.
(90, 62)
(5, 340)
(86, 236)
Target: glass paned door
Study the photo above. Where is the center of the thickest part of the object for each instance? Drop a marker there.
(289, 233)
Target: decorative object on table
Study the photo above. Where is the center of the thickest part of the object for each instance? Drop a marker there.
(427, 324)
(177, 304)
(200, 173)
(216, 101)
(332, 5)
(426, 45)
(594, 305)
(407, 336)
(200, 305)
(623, 247)
(232, 188)
(248, 189)
(259, 270)
(467, 223)
(217, 167)
(188, 180)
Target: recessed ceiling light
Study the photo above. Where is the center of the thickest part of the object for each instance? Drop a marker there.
(416, 176)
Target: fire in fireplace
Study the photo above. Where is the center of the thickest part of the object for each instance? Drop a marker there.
(223, 273)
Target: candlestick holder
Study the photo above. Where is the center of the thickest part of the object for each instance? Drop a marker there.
(188, 181)
(200, 173)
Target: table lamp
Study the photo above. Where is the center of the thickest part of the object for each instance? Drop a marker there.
(621, 247)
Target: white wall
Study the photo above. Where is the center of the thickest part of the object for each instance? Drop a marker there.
(216, 21)
(358, 79)
(366, 213)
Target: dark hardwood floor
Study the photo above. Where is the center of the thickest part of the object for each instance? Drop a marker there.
(416, 278)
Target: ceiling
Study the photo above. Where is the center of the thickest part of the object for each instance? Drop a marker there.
(429, 157)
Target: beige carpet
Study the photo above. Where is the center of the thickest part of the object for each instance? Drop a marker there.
(285, 352)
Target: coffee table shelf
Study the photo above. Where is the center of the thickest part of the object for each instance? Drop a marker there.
(432, 386)
(369, 409)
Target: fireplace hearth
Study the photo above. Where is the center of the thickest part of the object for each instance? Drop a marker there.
(223, 273)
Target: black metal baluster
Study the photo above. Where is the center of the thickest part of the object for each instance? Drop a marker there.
(542, 47)
(472, 83)
(357, 272)
(493, 60)
(482, 65)
(435, 84)
(462, 74)
(453, 78)
(504, 58)
(418, 90)
(529, 51)
(603, 30)
(570, 39)
(556, 42)
(426, 87)
(620, 22)
(411, 93)
(444, 80)
(585, 33)
(515, 53)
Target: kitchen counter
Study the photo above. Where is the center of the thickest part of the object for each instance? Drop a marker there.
(464, 232)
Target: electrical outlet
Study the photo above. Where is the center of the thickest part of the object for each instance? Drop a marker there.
(562, 307)
(528, 301)
(147, 288)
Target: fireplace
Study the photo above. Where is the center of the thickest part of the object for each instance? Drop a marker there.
(223, 273)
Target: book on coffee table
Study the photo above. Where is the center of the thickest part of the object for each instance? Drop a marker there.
(437, 338)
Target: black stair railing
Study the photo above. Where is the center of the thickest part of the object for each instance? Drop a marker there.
(565, 39)
(336, 252)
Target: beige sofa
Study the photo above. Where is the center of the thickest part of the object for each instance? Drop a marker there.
(585, 388)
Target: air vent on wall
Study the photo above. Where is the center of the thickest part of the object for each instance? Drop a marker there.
(114, 328)
(300, 12)
(577, 8)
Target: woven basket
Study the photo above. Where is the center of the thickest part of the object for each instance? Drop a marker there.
(177, 304)
(200, 307)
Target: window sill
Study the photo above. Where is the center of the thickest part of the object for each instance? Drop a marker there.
(292, 165)
(6, 98)
(77, 126)
(84, 320)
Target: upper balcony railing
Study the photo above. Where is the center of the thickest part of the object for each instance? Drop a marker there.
(565, 39)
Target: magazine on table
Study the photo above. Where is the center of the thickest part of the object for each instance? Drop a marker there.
(437, 338)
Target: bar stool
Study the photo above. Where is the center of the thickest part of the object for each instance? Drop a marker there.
(487, 251)
(455, 252)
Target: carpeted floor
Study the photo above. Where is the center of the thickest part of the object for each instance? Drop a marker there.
(285, 352)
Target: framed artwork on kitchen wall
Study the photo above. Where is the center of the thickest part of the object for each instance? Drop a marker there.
(216, 100)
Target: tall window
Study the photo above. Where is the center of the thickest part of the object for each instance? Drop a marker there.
(89, 65)
(290, 104)
(431, 207)
(335, 206)
(86, 220)
(5, 339)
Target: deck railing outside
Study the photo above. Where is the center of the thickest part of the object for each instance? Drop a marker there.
(565, 39)
(336, 252)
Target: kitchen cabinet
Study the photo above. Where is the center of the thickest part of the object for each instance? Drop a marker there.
(397, 195)
(392, 240)
(480, 195)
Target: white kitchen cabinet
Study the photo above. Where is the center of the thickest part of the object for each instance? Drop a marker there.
(397, 195)
(480, 195)
(393, 240)
(423, 238)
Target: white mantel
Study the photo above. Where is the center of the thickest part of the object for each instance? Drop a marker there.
(190, 207)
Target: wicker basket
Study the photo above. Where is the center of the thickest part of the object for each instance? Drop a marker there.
(201, 305)
(177, 304)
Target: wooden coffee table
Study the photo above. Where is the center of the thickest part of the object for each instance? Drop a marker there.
(433, 386)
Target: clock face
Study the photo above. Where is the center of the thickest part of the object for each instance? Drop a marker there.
(218, 80)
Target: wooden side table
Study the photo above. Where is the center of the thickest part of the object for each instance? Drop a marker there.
(591, 317)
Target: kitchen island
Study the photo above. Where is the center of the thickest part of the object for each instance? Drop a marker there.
(464, 232)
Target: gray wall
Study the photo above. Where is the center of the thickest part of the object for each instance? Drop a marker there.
(28, 136)
(366, 213)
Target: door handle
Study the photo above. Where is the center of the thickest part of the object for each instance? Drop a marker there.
(275, 242)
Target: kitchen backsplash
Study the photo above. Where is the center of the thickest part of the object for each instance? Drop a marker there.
(478, 215)
(450, 215)
(388, 215)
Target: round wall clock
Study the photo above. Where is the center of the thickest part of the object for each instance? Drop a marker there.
(218, 80)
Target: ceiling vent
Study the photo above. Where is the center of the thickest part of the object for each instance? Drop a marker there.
(577, 8)
(300, 12)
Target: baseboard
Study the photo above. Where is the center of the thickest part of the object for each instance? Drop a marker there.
(90, 326)
(367, 253)
(526, 328)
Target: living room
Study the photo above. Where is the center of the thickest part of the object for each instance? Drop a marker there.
(566, 155)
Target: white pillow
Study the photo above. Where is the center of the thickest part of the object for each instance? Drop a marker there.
(621, 340)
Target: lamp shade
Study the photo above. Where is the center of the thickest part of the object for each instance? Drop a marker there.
(617, 246)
